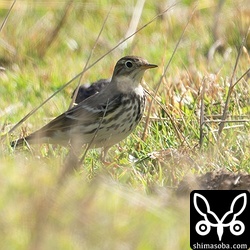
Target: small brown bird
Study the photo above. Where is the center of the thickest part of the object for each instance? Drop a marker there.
(106, 117)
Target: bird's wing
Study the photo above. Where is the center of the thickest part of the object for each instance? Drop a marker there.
(86, 113)
(92, 108)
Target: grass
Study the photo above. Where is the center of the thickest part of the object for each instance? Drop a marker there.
(43, 45)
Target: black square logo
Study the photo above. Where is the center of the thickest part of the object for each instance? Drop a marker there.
(220, 219)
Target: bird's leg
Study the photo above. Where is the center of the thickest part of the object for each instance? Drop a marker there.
(104, 158)
(119, 148)
(104, 155)
(71, 160)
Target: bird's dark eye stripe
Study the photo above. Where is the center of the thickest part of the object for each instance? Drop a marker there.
(128, 64)
(118, 71)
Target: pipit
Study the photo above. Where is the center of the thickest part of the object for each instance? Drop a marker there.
(103, 119)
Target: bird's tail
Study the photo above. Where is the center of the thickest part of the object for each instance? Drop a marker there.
(20, 142)
(34, 138)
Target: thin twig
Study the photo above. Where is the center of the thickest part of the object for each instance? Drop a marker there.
(72, 162)
(180, 136)
(203, 87)
(95, 134)
(232, 127)
(216, 21)
(86, 64)
(229, 116)
(163, 75)
(224, 121)
(246, 73)
(7, 16)
(51, 36)
(134, 22)
(231, 86)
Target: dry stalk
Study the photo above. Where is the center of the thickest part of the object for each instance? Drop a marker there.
(7, 16)
(86, 64)
(202, 108)
(162, 76)
(51, 36)
(231, 87)
(134, 22)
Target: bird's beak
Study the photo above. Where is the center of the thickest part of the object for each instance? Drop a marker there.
(149, 66)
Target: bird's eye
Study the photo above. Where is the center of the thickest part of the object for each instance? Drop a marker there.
(129, 64)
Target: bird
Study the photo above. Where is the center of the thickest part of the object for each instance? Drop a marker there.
(104, 118)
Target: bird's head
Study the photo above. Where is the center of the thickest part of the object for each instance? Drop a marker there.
(130, 70)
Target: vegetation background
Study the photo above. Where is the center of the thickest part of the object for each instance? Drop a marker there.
(132, 203)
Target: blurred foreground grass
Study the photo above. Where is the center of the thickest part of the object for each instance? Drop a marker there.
(36, 213)
(43, 45)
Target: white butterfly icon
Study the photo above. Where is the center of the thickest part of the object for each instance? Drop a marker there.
(236, 227)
